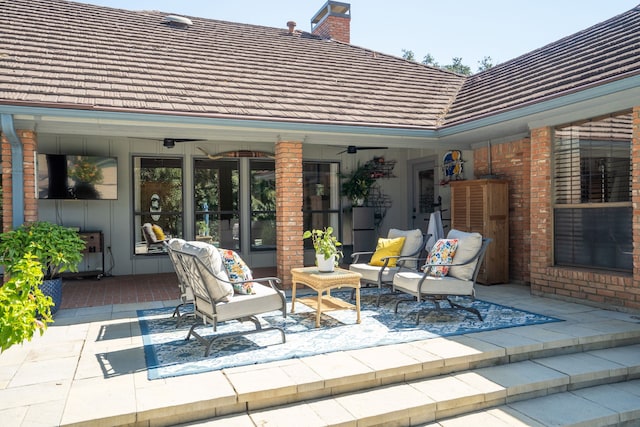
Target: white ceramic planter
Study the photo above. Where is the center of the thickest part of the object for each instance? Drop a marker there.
(325, 265)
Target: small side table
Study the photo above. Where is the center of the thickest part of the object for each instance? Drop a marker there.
(321, 282)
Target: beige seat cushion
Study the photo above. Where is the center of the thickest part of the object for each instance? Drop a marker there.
(370, 272)
(176, 243)
(412, 243)
(407, 281)
(468, 245)
(149, 234)
(263, 300)
(210, 256)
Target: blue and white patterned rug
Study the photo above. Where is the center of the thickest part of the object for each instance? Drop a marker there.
(168, 354)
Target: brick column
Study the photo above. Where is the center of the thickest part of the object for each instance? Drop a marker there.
(541, 213)
(289, 224)
(29, 145)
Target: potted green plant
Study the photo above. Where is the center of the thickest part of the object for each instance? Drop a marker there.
(203, 229)
(358, 184)
(24, 309)
(56, 248)
(326, 246)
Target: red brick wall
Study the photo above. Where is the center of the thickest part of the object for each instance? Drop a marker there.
(512, 161)
(335, 27)
(289, 222)
(29, 145)
(602, 288)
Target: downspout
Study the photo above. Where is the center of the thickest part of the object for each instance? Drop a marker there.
(17, 169)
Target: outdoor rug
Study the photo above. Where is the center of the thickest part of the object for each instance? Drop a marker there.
(168, 354)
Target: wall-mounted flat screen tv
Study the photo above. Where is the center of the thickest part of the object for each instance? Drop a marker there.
(63, 176)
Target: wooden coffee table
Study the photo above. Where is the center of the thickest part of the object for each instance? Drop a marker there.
(321, 282)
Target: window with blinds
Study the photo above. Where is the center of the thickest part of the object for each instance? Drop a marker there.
(592, 193)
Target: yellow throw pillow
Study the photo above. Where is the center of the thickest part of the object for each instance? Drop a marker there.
(157, 230)
(385, 248)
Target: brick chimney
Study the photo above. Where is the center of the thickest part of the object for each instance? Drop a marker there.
(333, 20)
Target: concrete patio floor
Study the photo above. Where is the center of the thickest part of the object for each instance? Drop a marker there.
(89, 368)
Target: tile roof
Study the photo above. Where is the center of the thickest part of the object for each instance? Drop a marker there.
(597, 55)
(75, 55)
(86, 56)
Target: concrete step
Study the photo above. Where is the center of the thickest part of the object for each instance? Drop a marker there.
(461, 391)
(604, 405)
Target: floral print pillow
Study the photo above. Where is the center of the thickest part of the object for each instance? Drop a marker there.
(441, 253)
(237, 271)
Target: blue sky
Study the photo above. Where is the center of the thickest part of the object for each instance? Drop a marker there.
(501, 29)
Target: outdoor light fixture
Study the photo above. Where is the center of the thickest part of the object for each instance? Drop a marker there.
(169, 143)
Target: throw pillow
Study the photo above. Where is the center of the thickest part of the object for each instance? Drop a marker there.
(220, 290)
(442, 253)
(157, 230)
(238, 271)
(468, 246)
(385, 248)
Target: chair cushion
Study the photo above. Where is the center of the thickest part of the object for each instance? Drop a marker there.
(149, 235)
(468, 246)
(238, 271)
(370, 272)
(407, 281)
(385, 248)
(412, 245)
(264, 299)
(176, 243)
(442, 253)
(158, 232)
(210, 257)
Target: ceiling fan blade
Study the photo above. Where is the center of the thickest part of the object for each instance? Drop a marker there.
(352, 149)
(184, 139)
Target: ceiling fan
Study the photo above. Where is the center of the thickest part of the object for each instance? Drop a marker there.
(352, 149)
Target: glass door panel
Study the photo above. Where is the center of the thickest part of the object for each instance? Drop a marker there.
(216, 202)
(263, 205)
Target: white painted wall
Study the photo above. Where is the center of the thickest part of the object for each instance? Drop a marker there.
(114, 218)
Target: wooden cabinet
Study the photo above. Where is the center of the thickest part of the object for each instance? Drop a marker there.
(482, 206)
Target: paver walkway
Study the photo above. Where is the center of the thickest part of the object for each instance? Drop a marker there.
(89, 368)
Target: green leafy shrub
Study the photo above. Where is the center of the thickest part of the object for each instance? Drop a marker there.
(24, 309)
(30, 253)
(57, 248)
